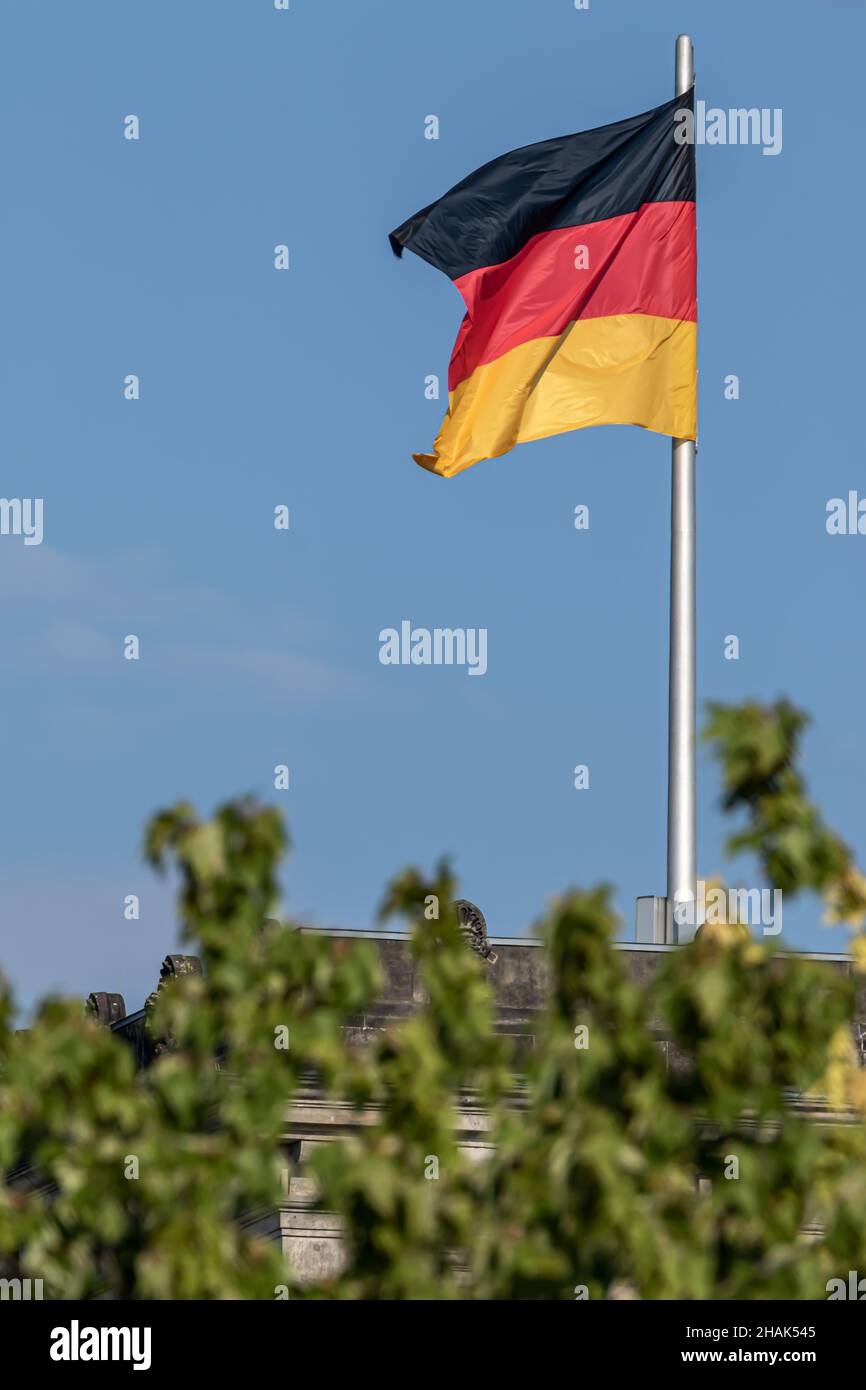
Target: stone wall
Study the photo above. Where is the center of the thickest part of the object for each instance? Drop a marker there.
(311, 1240)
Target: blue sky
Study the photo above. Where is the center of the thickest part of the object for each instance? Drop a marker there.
(306, 388)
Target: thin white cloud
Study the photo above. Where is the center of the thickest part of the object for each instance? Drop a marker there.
(61, 615)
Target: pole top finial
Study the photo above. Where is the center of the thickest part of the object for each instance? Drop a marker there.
(685, 64)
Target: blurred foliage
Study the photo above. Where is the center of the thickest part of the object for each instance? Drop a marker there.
(655, 1138)
(757, 747)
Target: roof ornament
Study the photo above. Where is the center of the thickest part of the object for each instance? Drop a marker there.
(105, 1008)
(172, 968)
(474, 929)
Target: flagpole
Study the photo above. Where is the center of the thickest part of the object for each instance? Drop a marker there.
(682, 858)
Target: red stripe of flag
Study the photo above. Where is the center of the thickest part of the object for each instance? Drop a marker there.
(639, 263)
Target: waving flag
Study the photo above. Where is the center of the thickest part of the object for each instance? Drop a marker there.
(576, 261)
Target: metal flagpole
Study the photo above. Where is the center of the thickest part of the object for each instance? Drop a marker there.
(682, 870)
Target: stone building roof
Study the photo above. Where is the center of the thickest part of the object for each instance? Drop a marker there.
(311, 1238)
(516, 969)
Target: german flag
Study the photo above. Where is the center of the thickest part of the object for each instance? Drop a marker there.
(576, 261)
